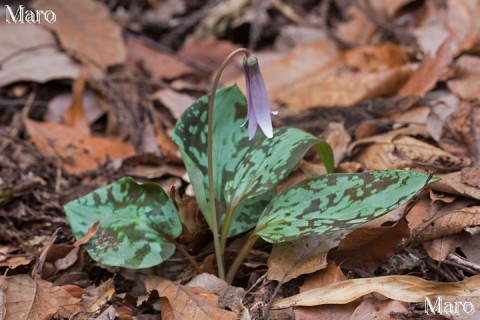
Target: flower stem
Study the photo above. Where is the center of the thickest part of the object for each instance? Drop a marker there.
(226, 226)
(214, 219)
(240, 257)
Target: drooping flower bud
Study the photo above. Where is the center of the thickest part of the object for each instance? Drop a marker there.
(257, 97)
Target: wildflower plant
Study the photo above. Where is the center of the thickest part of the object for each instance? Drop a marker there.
(234, 172)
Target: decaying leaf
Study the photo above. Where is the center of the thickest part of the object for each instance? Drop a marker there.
(26, 299)
(94, 298)
(332, 274)
(86, 30)
(449, 224)
(30, 53)
(336, 87)
(400, 151)
(368, 248)
(289, 260)
(228, 296)
(159, 64)
(78, 153)
(452, 183)
(188, 303)
(401, 288)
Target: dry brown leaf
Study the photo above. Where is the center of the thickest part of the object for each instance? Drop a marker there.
(453, 128)
(25, 299)
(209, 51)
(29, 53)
(394, 151)
(289, 260)
(85, 28)
(431, 67)
(59, 105)
(95, 298)
(368, 248)
(345, 88)
(471, 249)
(372, 308)
(439, 249)
(376, 58)
(338, 138)
(466, 88)
(332, 274)
(448, 224)
(229, 297)
(161, 65)
(188, 302)
(468, 65)
(452, 183)
(359, 29)
(78, 153)
(176, 102)
(401, 288)
(67, 304)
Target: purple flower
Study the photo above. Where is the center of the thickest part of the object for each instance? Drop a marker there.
(257, 97)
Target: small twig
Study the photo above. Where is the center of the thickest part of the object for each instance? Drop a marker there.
(465, 263)
(256, 283)
(443, 272)
(460, 266)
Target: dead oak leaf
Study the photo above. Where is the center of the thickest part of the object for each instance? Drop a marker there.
(343, 87)
(30, 53)
(332, 274)
(188, 302)
(85, 28)
(401, 288)
(78, 153)
(25, 299)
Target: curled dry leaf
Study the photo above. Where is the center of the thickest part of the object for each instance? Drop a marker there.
(396, 152)
(29, 53)
(228, 296)
(431, 67)
(289, 260)
(372, 308)
(401, 288)
(332, 274)
(86, 30)
(368, 248)
(188, 303)
(449, 224)
(95, 298)
(452, 183)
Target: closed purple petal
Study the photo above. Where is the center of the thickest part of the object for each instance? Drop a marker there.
(257, 97)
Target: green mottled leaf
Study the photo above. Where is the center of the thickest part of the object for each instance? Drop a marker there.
(230, 142)
(247, 213)
(135, 221)
(336, 201)
(325, 152)
(267, 162)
